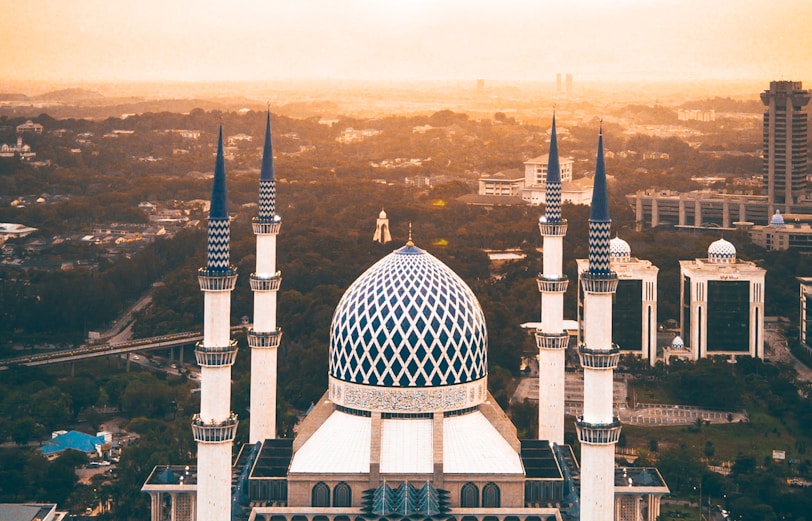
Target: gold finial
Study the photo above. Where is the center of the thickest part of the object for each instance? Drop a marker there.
(409, 242)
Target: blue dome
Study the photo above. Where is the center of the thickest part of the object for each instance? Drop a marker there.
(408, 322)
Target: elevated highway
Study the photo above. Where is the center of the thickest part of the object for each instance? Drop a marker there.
(86, 351)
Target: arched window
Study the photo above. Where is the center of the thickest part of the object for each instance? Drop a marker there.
(469, 496)
(491, 496)
(342, 495)
(320, 497)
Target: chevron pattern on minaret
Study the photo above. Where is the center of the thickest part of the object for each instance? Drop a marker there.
(219, 232)
(599, 237)
(600, 225)
(267, 200)
(267, 179)
(552, 197)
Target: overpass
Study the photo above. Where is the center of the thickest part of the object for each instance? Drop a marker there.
(86, 351)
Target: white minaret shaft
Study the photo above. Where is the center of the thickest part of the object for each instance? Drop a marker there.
(265, 335)
(215, 427)
(552, 339)
(598, 429)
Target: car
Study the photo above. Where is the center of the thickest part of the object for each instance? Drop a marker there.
(136, 357)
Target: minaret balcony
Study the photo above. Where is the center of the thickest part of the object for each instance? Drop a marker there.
(216, 356)
(264, 339)
(211, 280)
(599, 358)
(214, 431)
(598, 433)
(552, 284)
(266, 227)
(553, 229)
(552, 340)
(265, 282)
(599, 283)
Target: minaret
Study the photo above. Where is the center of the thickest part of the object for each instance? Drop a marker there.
(598, 429)
(214, 428)
(382, 234)
(264, 338)
(552, 339)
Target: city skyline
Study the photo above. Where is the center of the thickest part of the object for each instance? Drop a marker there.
(595, 40)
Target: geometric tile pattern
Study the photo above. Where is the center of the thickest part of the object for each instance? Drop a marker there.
(267, 200)
(552, 196)
(267, 180)
(408, 321)
(600, 225)
(619, 249)
(599, 234)
(217, 258)
(722, 252)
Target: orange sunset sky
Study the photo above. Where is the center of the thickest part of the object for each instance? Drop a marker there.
(596, 40)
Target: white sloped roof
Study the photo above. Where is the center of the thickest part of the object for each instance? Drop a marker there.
(340, 445)
(471, 445)
(407, 447)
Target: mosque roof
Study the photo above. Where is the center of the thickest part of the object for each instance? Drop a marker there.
(471, 445)
(408, 322)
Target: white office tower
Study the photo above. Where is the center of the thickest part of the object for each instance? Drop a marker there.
(598, 429)
(551, 338)
(264, 338)
(214, 428)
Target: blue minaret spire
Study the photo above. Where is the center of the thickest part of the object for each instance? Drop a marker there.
(267, 180)
(599, 222)
(552, 210)
(219, 229)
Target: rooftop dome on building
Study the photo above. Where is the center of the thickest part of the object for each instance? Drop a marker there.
(777, 219)
(619, 249)
(721, 251)
(408, 336)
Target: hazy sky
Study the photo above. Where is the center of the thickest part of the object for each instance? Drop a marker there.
(112, 40)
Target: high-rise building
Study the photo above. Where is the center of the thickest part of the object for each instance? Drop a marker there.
(785, 148)
(634, 310)
(722, 304)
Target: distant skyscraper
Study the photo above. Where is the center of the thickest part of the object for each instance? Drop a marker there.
(568, 81)
(785, 149)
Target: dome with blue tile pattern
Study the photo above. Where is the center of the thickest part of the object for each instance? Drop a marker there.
(722, 252)
(407, 322)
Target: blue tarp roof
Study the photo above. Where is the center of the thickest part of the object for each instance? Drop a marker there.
(72, 440)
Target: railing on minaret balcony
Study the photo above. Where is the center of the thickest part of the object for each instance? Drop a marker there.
(552, 340)
(552, 284)
(216, 356)
(598, 433)
(266, 226)
(552, 229)
(598, 282)
(599, 358)
(264, 339)
(265, 282)
(211, 280)
(214, 431)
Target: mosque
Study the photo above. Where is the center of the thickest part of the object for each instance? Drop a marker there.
(407, 427)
